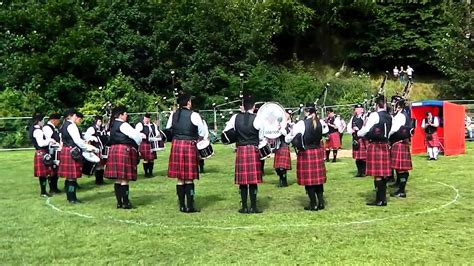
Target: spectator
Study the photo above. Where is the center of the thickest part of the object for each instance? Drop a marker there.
(402, 74)
(410, 73)
(395, 73)
(468, 124)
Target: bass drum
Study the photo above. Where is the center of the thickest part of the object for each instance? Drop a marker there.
(273, 117)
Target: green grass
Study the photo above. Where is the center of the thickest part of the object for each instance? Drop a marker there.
(417, 229)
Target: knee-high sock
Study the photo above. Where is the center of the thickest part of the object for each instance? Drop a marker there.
(145, 168)
(244, 190)
(201, 165)
(319, 194)
(359, 167)
(71, 190)
(262, 166)
(311, 191)
(99, 176)
(180, 191)
(334, 154)
(190, 192)
(363, 165)
(42, 182)
(435, 152)
(253, 195)
(403, 181)
(381, 190)
(150, 167)
(118, 193)
(327, 154)
(125, 193)
(430, 152)
(53, 183)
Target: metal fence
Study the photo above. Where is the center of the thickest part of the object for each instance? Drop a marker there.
(14, 130)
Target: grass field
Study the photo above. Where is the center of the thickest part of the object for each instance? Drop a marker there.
(434, 225)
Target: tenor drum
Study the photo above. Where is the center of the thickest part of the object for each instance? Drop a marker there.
(205, 149)
(157, 145)
(264, 150)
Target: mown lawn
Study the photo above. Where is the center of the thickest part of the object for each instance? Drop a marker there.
(433, 225)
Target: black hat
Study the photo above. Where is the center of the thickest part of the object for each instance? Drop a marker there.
(69, 112)
(358, 106)
(310, 107)
(329, 110)
(118, 110)
(79, 114)
(183, 99)
(37, 117)
(54, 116)
(147, 115)
(98, 117)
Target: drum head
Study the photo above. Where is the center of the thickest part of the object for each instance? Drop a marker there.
(91, 157)
(273, 117)
(202, 144)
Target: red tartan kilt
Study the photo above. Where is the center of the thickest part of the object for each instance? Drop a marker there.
(122, 162)
(183, 162)
(310, 168)
(248, 165)
(282, 158)
(361, 153)
(68, 168)
(334, 141)
(145, 151)
(378, 160)
(401, 156)
(434, 142)
(39, 168)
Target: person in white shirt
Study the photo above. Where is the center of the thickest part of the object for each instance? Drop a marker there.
(123, 156)
(149, 132)
(306, 136)
(468, 123)
(51, 131)
(359, 145)
(96, 135)
(187, 128)
(376, 130)
(395, 72)
(71, 153)
(430, 124)
(410, 73)
(341, 127)
(248, 172)
(333, 142)
(41, 143)
(400, 155)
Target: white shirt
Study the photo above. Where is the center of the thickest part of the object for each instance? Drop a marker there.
(299, 128)
(139, 128)
(88, 136)
(435, 122)
(48, 132)
(257, 124)
(206, 128)
(73, 131)
(195, 120)
(40, 137)
(130, 132)
(395, 71)
(340, 124)
(410, 71)
(371, 121)
(398, 121)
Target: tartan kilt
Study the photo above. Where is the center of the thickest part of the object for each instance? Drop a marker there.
(248, 165)
(334, 141)
(145, 151)
(39, 168)
(401, 156)
(184, 158)
(310, 168)
(435, 142)
(361, 152)
(122, 162)
(282, 158)
(68, 168)
(378, 159)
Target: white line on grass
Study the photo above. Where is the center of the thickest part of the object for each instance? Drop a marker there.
(132, 222)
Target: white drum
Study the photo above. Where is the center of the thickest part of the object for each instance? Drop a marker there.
(91, 157)
(54, 150)
(104, 154)
(273, 117)
(157, 145)
(205, 149)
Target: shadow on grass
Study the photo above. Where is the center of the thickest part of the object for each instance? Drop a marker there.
(208, 200)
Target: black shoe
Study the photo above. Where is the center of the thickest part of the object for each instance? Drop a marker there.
(333, 160)
(399, 194)
(321, 207)
(54, 191)
(119, 206)
(183, 209)
(75, 201)
(46, 195)
(244, 210)
(377, 203)
(254, 210)
(191, 210)
(128, 206)
(327, 160)
(309, 208)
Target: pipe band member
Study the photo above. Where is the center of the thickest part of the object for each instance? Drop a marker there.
(359, 145)
(187, 128)
(51, 131)
(149, 133)
(306, 135)
(430, 124)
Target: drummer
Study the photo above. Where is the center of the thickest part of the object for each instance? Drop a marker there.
(149, 132)
(95, 135)
(71, 157)
(51, 131)
(248, 172)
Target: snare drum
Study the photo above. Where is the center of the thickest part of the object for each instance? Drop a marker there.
(54, 151)
(264, 150)
(104, 153)
(274, 143)
(205, 149)
(157, 145)
(89, 163)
